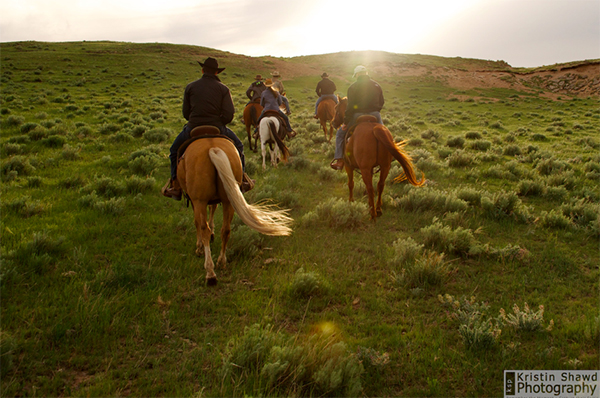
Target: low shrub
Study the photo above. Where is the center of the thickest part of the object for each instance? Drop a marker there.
(473, 135)
(504, 204)
(555, 219)
(478, 331)
(581, 212)
(27, 127)
(455, 142)
(550, 166)
(461, 158)
(38, 255)
(526, 320)
(18, 164)
(470, 195)
(145, 165)
(14, 121)
(266, 363)
(307, 284)
(429, 269)
(54, 141)
(25, 207)
(338, 213)
(109, 128)
(480, 145)
(157, 135)
(70, 152)
(531, 188)
(442, 237)
(512, 150)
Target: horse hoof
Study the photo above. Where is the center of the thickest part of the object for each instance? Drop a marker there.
(211, 281)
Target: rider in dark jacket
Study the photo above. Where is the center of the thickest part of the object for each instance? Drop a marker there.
(325, 89)
(365, 97)
(256, 89)
(206, 101)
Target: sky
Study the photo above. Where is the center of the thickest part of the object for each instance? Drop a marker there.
(524, 33)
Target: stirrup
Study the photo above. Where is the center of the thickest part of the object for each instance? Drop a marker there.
(247, 183)
(170, 192)
(337, 164)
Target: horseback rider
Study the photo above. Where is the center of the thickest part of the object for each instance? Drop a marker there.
(271, 100)
(256, 89)
(325, 89)
(206, 101)
(365, 97)
(279, 86)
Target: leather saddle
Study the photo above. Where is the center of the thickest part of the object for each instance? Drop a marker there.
(200, 132)
(359, 120)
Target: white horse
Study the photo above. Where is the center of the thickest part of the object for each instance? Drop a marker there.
(268, 129)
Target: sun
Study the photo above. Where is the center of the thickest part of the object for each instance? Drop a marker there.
(382, 25)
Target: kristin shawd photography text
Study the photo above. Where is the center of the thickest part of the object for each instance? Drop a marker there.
(551, 383)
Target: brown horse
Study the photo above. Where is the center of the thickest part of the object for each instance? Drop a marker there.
(371, 145)
(251, 113)
(210, 172)
(326, 113)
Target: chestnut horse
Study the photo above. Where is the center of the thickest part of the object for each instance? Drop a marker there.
(371, 145)
(210, 172)
(326, 113)
(251, 113)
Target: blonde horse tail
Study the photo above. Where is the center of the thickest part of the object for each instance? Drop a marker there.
(384, 136)
(262, 218)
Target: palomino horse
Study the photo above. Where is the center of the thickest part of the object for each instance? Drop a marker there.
(371, 145)
(271, 131)
(251, 113)
(326, 113)
(210, 172)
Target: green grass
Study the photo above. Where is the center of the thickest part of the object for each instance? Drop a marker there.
(102, 295)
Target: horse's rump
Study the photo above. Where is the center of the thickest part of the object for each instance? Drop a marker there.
(191, 140)
(383, 135)
(277, 135)
(197, 174)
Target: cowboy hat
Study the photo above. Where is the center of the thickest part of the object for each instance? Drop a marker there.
(258, 77)
(211, 64)
(324, 74)
(359, 69)
(275, 74)
(269, 83)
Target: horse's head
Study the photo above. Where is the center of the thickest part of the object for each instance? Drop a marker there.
(340, 112)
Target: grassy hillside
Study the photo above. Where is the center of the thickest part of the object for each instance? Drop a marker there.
(492, 265)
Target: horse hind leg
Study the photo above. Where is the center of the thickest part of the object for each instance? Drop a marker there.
(383, 173)
(263, 150)
(367, 175)
(203, 233)
(275, 156)
(228, 212)
(211, 222)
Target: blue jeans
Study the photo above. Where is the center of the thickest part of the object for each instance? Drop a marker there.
(286, 103)
(185, 135)
(324, 96)
(339, 136)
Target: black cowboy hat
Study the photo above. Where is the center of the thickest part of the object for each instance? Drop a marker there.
(324, 74)
(211, 64)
